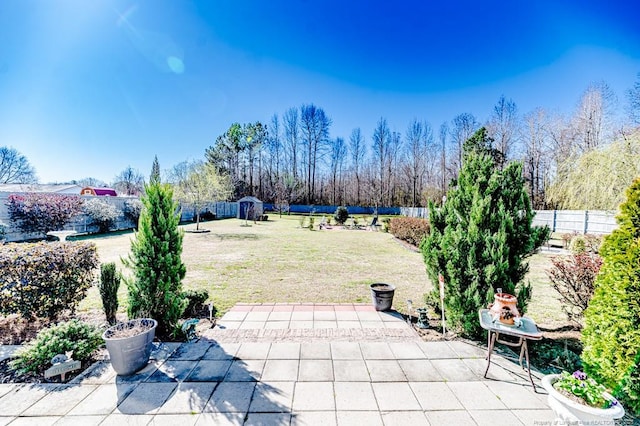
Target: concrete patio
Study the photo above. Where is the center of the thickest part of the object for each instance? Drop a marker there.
(293, 364)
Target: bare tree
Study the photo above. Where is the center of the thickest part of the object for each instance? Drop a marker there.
(129, 182)
(444, 132)
(381, 148)
(14, 167)
(292, 140)
(419, 140)
(633, 102)
(338, 157)
(534, 138)
(593, 119)
(503, 126)
(464, 126)
(358, 151)
(314, 125)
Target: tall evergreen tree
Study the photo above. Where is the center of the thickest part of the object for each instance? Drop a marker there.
(611, 335)
(155, 290)
(155, 171)
(481, 236)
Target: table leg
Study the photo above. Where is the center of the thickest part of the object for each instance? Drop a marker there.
(491, 342)
(525, 349)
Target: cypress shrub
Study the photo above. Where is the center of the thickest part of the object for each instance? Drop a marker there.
(109, 284)
(481, 236)
(628, 392)
(611, 335)
(155, 290)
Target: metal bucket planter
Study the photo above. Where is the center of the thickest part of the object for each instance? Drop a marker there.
(130, 353)
(382, 296)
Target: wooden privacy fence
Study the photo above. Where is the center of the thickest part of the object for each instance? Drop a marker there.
(559, 221)
(83, 223)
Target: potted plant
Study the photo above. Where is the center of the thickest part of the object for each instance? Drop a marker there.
(578, 399)
(129, 344)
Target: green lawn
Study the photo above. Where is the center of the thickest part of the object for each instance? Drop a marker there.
(276, 261)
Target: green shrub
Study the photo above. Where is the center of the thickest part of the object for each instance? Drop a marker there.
(481, 236)
(44, 279)
(109, 284)
(409, 229)
(578, 244)
(311, 221)
(628, 392)
(574, 278)
(341, 215)
(101, 212)
(386, 223)
(81, 338)
(611, 335)
(3, 230)
(155, 290)
(195, 300)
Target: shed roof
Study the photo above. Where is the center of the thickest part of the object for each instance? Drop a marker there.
(249, 198)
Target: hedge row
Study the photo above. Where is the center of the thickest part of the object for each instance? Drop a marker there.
(409, 229)
(45, 279)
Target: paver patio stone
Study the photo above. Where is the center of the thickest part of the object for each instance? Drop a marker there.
(325, 324)
(246, 325)
(515, 395)
(229, 325)
(475, 396)
(103, 400)
(324, 316)
(488, 417)
(299, 324)
(406, 350)
(172, 371)
(392, 316)
(191, 351)
(234, 316)
(350, 371)
(346, 316)
(345, 350)
(316, 350)
(467, 350)
(221, 351)
(272, 397)
(209, 371)
(249, 370)
(349, 324)
(268, 419)
(454, 370)
(535, 417)
(146, 398)
(23, 397)
(435, 396)
(496, 372)
(80, 420)
(376, 350)
(385, 371)
(395, 397)
(404, 418)
(220, 419)
(257, 316)
(5, 420)
(284, 351)
(394, 325)
(36, 421)
(419, 370)
(369, 316)
(253, 350)
(187, 398)
(60, 401)
(449, 418)
(437, 350)
(280, 369)
(280, 316)
(314, 418)
(276, 325)
(5, 388)
(117, 419)
(313, 396)
(302, 316)
(174, 419)
(355, 396)
(358, 418)
(163, 350)
(315, 370)
(372, 324)
(230, 397)
(98, 373)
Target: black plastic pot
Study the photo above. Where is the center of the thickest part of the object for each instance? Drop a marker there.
(382, 296)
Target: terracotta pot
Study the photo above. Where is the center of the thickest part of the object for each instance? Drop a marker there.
(504, 307)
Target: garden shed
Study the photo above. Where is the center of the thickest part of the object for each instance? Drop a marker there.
(250, 208)
(100, 192)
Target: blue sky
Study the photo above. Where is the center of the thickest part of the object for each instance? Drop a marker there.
(88, 88)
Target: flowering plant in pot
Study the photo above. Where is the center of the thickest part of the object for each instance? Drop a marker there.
(578, 399)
